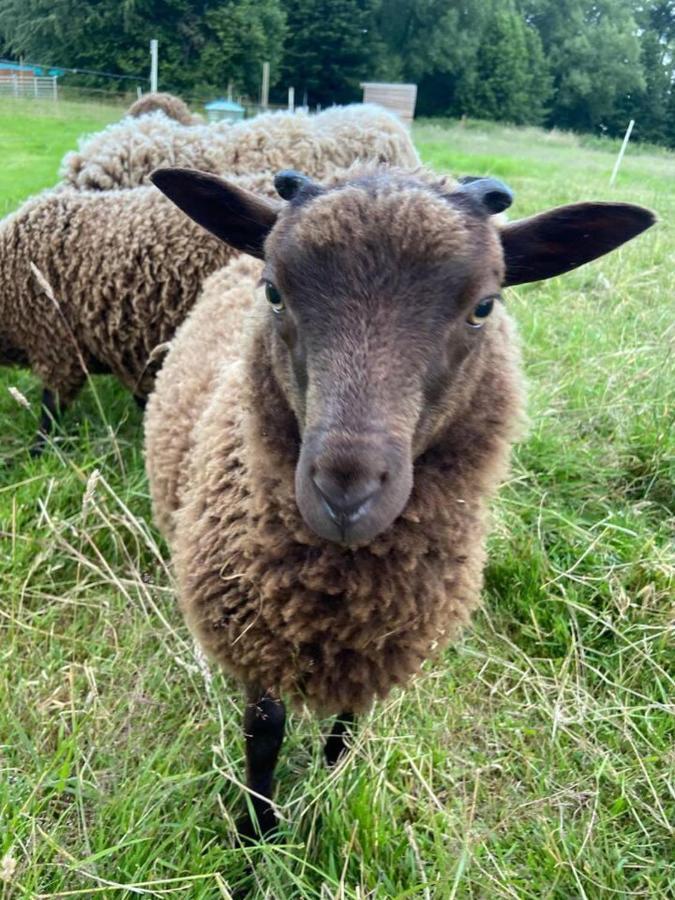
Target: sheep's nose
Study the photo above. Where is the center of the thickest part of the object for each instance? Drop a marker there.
(347, 497)
(350, 486)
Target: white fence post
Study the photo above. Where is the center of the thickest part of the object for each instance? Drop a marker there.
(291, 99)
(626, 138)
(153, 65)
(265, 92)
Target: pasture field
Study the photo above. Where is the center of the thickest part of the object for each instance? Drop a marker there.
(32, 145)
(534, 760)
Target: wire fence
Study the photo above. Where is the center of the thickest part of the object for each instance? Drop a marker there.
(26, 85)
(27, 90)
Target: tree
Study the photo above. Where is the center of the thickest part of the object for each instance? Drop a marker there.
(594, 54)
(649, 106)
(509, 81)
(669, 128)
(432, 43)
(423, 37)
(330, 47)
(243, 35)
(57, 31)
(658, 16)
(203, 44)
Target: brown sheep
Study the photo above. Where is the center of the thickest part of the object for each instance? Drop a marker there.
(123, 269)
(322, 472)
(172, 107)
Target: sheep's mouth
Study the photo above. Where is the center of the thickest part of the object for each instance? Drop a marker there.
(349, 490)
(347, 521)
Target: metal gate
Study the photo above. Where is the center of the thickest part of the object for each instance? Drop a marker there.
(36, 88)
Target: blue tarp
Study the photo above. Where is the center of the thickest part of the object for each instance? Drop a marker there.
(6, 65)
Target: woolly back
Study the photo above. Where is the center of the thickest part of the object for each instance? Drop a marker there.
(124, 154)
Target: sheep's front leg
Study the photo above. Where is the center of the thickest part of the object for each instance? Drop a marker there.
(50, 410)
(264, 722)
(335, 745)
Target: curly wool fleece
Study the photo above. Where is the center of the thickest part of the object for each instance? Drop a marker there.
(274, 604)
(124, 154)
(124, 269)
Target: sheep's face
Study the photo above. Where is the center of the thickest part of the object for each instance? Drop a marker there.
(379, 296)
(382, 307)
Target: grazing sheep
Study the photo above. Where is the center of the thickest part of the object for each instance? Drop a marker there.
(172, 107)
(124, 269)
(321, 468)
(124, 154)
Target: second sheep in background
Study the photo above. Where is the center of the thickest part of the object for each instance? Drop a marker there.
(124, 154)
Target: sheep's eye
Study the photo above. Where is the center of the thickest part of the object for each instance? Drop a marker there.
(273, 297)
(480, 312)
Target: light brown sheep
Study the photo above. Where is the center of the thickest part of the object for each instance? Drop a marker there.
(124, 154)
(172, 107)
(321, 468)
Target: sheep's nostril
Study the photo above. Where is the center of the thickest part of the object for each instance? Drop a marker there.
(345, 502)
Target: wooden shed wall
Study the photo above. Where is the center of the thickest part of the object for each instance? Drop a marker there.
(398, 98)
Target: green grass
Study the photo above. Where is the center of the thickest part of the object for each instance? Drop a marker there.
(535, 760)
(33, 139)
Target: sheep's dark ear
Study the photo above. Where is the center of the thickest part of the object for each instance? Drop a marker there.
(561, 239)
(233, 214)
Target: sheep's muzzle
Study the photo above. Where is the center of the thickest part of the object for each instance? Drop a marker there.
(350, 487)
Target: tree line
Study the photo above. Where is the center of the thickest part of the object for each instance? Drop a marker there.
(587, 65)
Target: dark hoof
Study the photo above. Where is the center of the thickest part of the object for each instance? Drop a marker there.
(334, 749)
(38, 447)
(259, 828)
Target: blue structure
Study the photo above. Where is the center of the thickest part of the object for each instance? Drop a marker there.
(12, 68)
(219, 110)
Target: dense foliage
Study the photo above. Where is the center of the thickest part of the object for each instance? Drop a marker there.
(581, 64)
